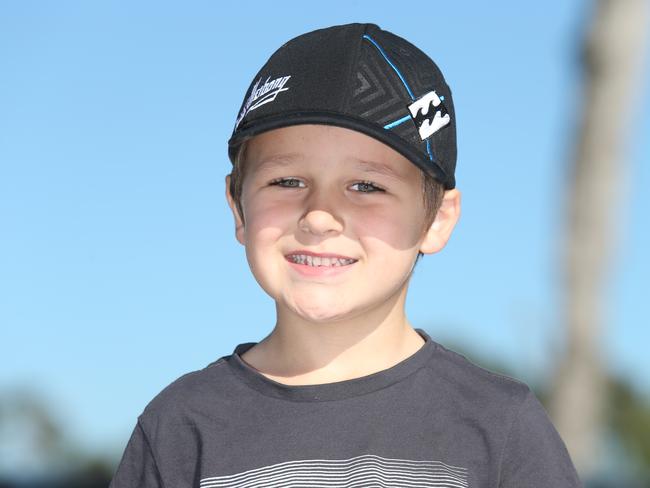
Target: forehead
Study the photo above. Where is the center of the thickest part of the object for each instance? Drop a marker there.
(323, 146)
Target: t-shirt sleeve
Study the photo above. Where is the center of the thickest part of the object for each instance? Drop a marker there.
(534, 455)
(138, 468)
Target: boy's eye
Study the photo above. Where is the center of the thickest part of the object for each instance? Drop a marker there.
(363, 186)
(367, 187)
(286, 182)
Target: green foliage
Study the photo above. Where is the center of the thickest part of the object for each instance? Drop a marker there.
(628, 415)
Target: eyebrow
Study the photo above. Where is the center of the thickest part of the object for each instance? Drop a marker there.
(367, 166)
(378, 168)
(279, 160)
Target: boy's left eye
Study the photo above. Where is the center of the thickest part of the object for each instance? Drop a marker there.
(367, 187)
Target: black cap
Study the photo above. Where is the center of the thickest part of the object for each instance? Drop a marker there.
(360, 77)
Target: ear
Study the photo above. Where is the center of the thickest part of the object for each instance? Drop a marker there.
(240, 231)
(438, 234)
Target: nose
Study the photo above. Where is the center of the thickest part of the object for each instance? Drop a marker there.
(320, 216)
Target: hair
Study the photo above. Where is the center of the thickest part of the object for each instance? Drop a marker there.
(432, 190)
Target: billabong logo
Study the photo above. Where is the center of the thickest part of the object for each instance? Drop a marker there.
(262, 94)
(429, 114)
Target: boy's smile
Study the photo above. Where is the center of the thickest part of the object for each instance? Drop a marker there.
(315, 264)
(333, 221)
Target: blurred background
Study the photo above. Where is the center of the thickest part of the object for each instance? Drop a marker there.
(119, 271)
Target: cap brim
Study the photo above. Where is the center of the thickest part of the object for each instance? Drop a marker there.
(340, 120)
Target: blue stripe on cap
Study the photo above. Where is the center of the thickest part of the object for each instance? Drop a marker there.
(397, 122)
(429, 150)
(366, 36)
(408, 89)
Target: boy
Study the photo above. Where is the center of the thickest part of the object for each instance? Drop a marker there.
(343, 176)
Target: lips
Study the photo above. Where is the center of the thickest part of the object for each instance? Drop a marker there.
(325, 260)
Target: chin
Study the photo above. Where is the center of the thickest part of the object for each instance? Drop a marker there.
(319, 314)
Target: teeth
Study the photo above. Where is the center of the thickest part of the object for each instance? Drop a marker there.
(318, 261)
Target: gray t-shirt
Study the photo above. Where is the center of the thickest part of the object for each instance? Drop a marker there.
(432, 420)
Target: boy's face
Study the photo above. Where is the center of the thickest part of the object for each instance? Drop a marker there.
(328, 190)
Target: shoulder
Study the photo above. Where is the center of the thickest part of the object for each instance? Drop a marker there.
(171, 421)
(462, 378)
(190, 391)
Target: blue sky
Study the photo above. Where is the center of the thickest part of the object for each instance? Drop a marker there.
(119, 271)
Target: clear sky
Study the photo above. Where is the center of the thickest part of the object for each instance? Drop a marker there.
(119, 271)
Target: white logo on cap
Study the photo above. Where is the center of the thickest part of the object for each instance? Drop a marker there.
(429, 114)
(262, 94)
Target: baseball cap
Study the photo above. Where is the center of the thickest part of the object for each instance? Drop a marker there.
(360, 77)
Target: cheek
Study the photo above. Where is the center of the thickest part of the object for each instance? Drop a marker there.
(263, 231)
(265, 223)
(396, 227)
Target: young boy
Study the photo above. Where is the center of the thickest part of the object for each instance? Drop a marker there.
(343, 156)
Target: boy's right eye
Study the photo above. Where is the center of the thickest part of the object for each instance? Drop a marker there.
(287, 182)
